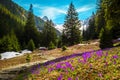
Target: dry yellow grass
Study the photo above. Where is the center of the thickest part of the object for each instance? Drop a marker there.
(38, 55)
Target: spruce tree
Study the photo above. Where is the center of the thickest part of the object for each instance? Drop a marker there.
(31, 45)
(31, 31)
(71, 30)
(14, 42)
(105, 39)
(90, 32)
(9, 43)
(99, 17)
(49, 34)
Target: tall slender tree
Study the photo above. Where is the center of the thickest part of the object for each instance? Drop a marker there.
(48, 34)
(71, 30)
(31, 31)
(99, 18)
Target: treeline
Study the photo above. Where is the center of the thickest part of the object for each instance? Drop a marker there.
(105, 24)
(16, 35)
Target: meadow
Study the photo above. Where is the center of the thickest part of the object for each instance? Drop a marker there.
(93, 65)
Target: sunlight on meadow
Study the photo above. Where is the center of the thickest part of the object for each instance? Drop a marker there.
(101, 64)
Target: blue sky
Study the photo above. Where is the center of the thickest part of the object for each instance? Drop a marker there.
(57, 9)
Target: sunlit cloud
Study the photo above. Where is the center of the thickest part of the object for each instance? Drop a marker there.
(52, 12)
(85, 8)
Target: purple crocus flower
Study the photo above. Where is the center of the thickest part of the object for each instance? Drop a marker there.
(115, 56)
(69, 78)
(58, 66)
(60, 77)
(86, 56)
(68, 65)
(99, 53)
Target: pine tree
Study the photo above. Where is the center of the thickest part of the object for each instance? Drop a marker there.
(71, 25)
(31, 45)
(14, 42)
(9, 43)
(90, 32)
(31, 31)
(99, 17)
(49, 34)
(105, 39)
(112, 16)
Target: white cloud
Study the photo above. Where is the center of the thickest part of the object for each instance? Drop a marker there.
(85, 8)
(52, 12)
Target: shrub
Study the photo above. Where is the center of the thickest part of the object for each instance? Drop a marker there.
(51, 46)
(28, 58)
(64, 48)
(31, 45)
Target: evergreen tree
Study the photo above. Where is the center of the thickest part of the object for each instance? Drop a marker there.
(105, 39)
(9, 43)
(49, 34)
(5, 44)
(90, 32)
(99, 17)
(112, 16)
(14, 42)
(31, 31)
(72, 24)
(31, 45)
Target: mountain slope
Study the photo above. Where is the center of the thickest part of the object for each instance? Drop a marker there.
(20, 12)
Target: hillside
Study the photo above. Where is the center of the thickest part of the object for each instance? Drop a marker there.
(21, 13)
(81, 61)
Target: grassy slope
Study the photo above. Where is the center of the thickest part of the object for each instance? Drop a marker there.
(36, 55)
(100, 65)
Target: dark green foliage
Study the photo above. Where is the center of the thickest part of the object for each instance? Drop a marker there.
(105, 39)
(110, 17)
(64, 48)
(49, 34)
(14, 42)
(9, 22)
(99, 17)
(30, 31)
(28, 58)
(59, 45)
(31, 45)
(71, 33)
(51, 46)
(5, 44)
(90, 33)
(9, 43)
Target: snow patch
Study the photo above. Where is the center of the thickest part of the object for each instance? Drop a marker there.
(7, 55)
